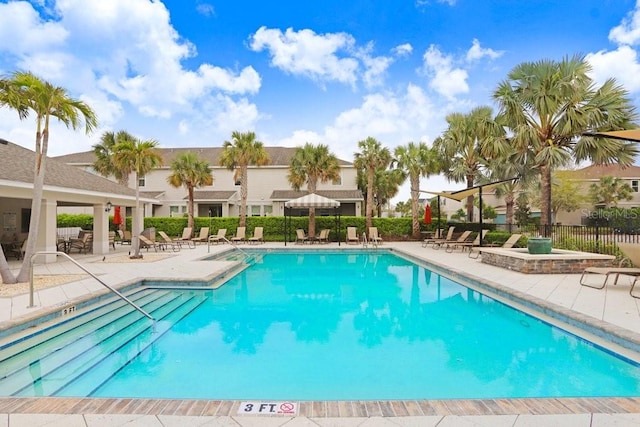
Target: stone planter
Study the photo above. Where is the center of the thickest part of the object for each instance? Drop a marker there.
(539, 245)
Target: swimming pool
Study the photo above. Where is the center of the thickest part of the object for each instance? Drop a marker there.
(316, 326)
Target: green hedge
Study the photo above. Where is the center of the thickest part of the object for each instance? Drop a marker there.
(388, 228)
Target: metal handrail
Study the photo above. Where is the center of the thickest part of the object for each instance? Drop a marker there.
(247, 256)
(82, 268)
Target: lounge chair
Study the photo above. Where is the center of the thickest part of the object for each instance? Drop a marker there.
(463, 237)
(509, 243)
(436, 241)
(301, 236)
(186, 238)
(257, 236)
(221, 237)
(352, 235)
(125, 237)
(466, 244)
(632, 252)
(240, 235)
(146, 243)
(112, 239)
(202, 237)
(168, 241)
(430, 236)
(374, 237)
(83, 243)
(323, 237)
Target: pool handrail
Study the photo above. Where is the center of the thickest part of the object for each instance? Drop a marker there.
(247, 256)
(85, 270)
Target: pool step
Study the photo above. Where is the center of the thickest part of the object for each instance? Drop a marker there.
(80, 345)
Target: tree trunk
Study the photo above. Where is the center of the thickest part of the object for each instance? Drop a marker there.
(243, 196)
(509, 209)
(5, 273)
(135, 240)
(311, 186)
(190, 220)
(470, 199)
(415, 192)
(369, 207)
(36, 203)
(545, 199)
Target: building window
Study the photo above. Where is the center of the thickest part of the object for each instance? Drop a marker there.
(175, 211)
(338, 180)
(141, 181)
(255, 210)
(268, 210)
(634, 185)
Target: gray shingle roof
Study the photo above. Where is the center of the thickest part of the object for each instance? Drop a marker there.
(284, 195)
(279, 156)
(16, 164)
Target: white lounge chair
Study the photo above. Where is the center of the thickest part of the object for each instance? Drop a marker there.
(374, 237)
(352, 235)
(632, 252)
(221, 236)
(257, 236)
(240, 235)
(202, 237)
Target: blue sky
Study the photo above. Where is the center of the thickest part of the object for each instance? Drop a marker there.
(188, 73)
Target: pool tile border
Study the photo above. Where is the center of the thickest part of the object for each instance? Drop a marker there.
(324, 409)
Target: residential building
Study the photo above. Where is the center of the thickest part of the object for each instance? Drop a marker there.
(268, 186)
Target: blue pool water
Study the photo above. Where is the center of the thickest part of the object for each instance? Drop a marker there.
(335, 326)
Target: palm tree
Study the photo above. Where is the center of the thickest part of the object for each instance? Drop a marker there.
(312, 164)
(243, 150)
(467, 145)
(416, 161)
(192, 172)
(26, 93)
(137, 157)
(549, 104)
(372, 157)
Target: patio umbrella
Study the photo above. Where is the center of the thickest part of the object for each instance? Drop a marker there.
(427, 214)
(117, 218)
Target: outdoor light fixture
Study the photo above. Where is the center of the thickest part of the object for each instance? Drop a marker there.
(108, 208)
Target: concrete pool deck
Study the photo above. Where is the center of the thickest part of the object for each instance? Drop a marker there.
(611, 308)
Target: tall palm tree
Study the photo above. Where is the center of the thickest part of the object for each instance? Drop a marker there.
(467, 145)
(137, 157)
(372, 156)
(192, 172)
(416, 160)
(238, 154)
(549, 104)
(312, 164)
(27, 93)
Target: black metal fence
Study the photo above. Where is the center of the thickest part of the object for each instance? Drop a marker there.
(586, 238)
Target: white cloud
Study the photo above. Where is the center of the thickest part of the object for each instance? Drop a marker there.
(476, 52)
(402, 50)
(206, 9)
(22, 30)
(622, 64)
(628, 32)
(319, 57)
(445, 78)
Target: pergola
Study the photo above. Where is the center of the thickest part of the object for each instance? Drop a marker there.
(311, 200)
(464, 193)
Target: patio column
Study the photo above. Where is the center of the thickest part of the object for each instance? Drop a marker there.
(100, 229)
(47, 239)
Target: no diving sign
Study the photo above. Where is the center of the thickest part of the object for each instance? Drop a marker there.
(270, 408)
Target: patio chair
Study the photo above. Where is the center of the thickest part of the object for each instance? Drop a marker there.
(464, 236)
(632, 253)
(202, 237)
(323, 237)
(168, 241)
(374, 237)
(240, 235)
(186, 238)
(146, 243)
(466, 244)
(301, 236)
(18, 250)
(112, 239)
(257, 236)
(352, 235)
(509, 243)
(221, 237)
(437, 240)
(125, 237)
(83, 243)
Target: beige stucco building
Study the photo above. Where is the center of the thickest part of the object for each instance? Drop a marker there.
(268, 186)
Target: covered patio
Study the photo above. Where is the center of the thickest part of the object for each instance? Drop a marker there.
(310, 201)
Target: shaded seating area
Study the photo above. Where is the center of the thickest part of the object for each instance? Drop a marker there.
(307, 202)
(323, 237)
(84, 242)
(301, 236)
